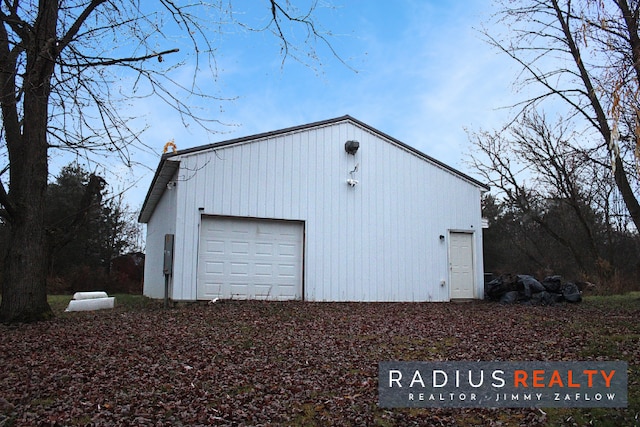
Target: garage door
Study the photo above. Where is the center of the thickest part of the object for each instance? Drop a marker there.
(243, 258)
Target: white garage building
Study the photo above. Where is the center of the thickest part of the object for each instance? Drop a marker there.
(329, 211)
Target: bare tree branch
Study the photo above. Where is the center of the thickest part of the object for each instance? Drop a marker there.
(586, 55)
(69, 72)
(115, 61)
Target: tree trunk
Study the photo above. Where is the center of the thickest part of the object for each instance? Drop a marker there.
(24, 292)
(627, 193)
(24, 287)
(619, 174)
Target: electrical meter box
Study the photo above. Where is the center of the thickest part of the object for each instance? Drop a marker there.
(167, 267)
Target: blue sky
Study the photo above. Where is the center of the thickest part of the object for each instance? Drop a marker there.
(423, 76)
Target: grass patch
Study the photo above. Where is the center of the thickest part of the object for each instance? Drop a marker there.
(600, 417)
(45, 401)
(628, 301)
(127, 302)
(615, 336)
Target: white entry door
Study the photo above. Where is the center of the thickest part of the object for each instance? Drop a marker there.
(461, 265)
(247, 258)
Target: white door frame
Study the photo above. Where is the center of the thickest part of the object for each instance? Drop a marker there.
(472, 292)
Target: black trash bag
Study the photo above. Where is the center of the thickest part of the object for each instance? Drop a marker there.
(557, 298)
(571, 293)
(552, 283)
(494, 289)
(542, 298)
(510, 297)
(530, 285)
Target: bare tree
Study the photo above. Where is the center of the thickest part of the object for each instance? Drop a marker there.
(542, 173)
(64, 65)
(586, 54)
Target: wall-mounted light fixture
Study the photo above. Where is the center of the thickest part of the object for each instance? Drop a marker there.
(351, 147)
(442, 237)
(353, 181)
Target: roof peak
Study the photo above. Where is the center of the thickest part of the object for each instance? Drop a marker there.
(263, 135)
(168, 166)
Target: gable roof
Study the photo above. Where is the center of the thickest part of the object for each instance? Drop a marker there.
(167, 167)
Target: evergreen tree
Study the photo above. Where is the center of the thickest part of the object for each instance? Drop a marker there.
(87, 227)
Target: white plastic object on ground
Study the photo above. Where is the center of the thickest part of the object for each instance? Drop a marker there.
(91, 304)
(90, 295)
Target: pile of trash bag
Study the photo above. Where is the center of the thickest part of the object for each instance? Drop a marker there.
(523, 288)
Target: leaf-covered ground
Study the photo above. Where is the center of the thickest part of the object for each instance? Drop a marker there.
(291, 363)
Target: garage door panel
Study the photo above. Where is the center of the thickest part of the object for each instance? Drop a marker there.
(239, 269)
(265, 270)
(213, 289)
(287, 270)
(264, 249)
(240, 248)
(214, 267)
(250, 259)
(265, 231)
(289, 236)
(239, 288)
(215, 246)
(287, 250)
(262, 290)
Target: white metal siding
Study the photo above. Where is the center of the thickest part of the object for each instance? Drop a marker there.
(378, 241)
(159, 225)
(246, 258)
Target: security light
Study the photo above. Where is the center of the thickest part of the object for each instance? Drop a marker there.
(351, 147)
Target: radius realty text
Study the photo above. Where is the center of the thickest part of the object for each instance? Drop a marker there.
(502, 384)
